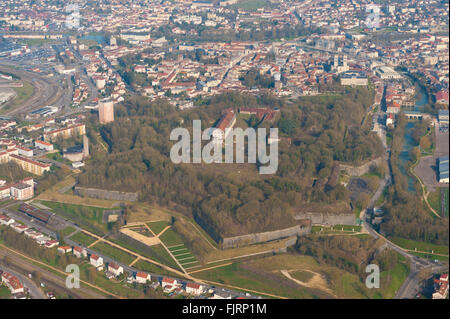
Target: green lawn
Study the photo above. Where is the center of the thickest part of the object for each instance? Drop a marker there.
(251, 5)
(303, 276)
(236, 275)
(114, 253)
(83, 239)
(170, 238)
(391, 281)
(88, 216)
(152, 268)
(163, 256)
(4, 292)
(421, 246)
(157, 227)
(67, 231)
(432, 257)
(109, 285)
(58, 157)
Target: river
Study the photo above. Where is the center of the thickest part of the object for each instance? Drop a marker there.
(408, 142)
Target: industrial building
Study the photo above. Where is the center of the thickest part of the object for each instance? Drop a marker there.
(443, 169)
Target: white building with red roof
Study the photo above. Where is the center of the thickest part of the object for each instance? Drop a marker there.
(79, 252)
(115, 269)
(194, 288)
(142, 277)
(12, 282)
(168, 282)
(5, 220)
(96, 261)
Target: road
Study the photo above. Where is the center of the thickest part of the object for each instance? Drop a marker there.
(51, 280)
(410, 287)
(33, 289)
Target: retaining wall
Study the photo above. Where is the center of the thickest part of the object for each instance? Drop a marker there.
(238, 241)
(105, 194)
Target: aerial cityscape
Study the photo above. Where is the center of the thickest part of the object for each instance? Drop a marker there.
(224, 149)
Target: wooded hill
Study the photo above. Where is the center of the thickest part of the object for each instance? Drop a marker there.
(234, 200)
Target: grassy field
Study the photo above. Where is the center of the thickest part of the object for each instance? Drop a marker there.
(251, 5)
(303, 276)
(238, 275)
(431, 256)
(67, 231)
(391, 281)
(151, 268)
(170, 238)
(109, 285)
(23, 94)
(421, 246)
(435, 200)
(83, 239)
(158, 226)
(4, 292)
(114, 253)
(446, 198)
(88, 216)
(164, 256)
(337, 229)
(58, 157)
(263, 274)
(184, 256)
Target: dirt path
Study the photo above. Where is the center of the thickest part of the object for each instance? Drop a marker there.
(424, 193)
(184, 273)
(317, 281)
(162, 231)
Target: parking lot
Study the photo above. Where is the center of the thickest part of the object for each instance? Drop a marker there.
(427, 167)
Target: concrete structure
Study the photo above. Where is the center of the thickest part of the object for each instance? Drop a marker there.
(106, 111)
(387, 73)
(244, 240)
(354, 78)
